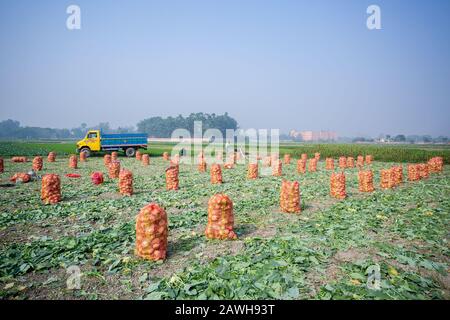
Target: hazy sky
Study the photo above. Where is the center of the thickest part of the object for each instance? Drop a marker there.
(271, 64)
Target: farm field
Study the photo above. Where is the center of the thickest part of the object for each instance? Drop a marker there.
(322, 253)
(388, 153)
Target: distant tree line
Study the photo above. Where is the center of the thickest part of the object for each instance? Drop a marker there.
(12, 129)
(155, 127)
(163, 127)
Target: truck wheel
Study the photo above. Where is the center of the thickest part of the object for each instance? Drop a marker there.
(87, 151)
(130, 152)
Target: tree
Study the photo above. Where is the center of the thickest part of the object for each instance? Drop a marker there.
(400, 138)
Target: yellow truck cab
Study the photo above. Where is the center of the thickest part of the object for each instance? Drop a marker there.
(95, 141)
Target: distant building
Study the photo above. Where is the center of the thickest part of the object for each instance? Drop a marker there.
(314, 135)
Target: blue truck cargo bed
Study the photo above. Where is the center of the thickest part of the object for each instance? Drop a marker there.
(123, 139)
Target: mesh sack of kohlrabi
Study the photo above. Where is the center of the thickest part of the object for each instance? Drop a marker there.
(365, 181)
(267, 162)
(216, 173)
(151, 233)
(287, 158)
(114, 169)
(301, 166)
(126, 182)
(397, 175)
(166, 156)
(342, 162)
(317, 156)
(386, 179)
(97, 178)
(329, 164)
(20, 177)
(145, 159)
(83, 156)
(423, 170)
(202, 165)
(220, 218)
(252, 172)
(51, 189)
(73, 162)
(37, 163)
(114, 156)
(19, 159)
(290, 197)
(312, 165)
(350, 162)
(51, 157)
(337, 185)
(369, 159)
(138, 155)
(413, 172)
(277, 168)
(107, 160)
(360, 161)
(172, 177)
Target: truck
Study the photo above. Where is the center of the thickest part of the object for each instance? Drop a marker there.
(96, 140)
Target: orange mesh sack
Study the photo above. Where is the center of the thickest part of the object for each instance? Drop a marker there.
(369, 159)
(267, 161)
(21, 177)
(350, 162)
(151, 233)
(83, 156)
(220, 218)
(397, 172)
(290, 197)
(287, 158)
(114, 169)
(37, 163)
(2, 168)
(365, 181)
(172, 177)
(312, 165)
(238, 156)
(413, 172)
(423, 170)
(51, 189)
(19, 159)
(219, 157)
(436, 164)
(216, 173)
(114, 156)
(337, 185)
(329, 164)
(301, 165)
(277, 168)
(51, 157)
(202, 166)
(317, 156)
(252, 172)
(145, 159)
(126, 182)
(107, 160)
(166, 156)
(304, 156)
(73, 162)
(342, 162)
(138, 155)
(360, 161)
(386, 179)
